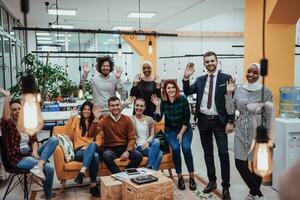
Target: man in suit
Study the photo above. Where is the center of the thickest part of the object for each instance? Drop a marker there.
(212, 118)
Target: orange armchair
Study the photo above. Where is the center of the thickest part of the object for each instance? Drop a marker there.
(66, 171)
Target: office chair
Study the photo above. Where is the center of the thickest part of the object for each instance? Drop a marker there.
(23, 176)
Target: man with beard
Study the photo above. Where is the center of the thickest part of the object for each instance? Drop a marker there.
(105, 84)
(117, 136)
(212, 118)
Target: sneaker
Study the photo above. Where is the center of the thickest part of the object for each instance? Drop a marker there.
(38, 172)
(79, 178)
(95, 192)
(250, 197)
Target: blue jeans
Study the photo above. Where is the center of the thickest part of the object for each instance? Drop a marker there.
(90, 159)
(153, 153)
(171, 137)
(45, 151)
(111, 153)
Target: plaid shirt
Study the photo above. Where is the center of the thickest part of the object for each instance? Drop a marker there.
(12, 139)
(176, 114)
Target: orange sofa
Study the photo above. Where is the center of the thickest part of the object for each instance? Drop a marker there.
(66, 171)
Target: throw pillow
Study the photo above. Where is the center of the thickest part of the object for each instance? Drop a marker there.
(67, 147)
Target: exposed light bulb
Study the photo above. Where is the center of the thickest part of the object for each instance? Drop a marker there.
(30, 119)
(150, 49)
(120, 50)
(38, 97)
(262, 162)
(80, 92)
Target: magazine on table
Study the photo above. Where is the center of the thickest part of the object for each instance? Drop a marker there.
(122, 176)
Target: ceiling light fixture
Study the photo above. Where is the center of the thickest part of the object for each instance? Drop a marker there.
(43, 38)
(141, 15)
(42, 34)
(66, 12)
(44, 42)
(126, 28)
(66, 26)
(120, 47)
(150, 49)
(62, 35)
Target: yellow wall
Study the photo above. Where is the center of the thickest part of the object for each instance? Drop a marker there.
(279, 41)
(141, 48)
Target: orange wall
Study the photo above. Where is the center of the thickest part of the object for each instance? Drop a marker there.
(141, 48)
(280, 43)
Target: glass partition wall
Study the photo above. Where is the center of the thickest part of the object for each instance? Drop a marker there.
(12, 48)
(72, 50)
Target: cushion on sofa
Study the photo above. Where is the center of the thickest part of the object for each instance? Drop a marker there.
(67, 147)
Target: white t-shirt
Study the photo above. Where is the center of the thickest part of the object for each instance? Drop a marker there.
(142, 131)
(24, 147)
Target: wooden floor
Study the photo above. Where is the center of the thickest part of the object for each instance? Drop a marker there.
(238, 188)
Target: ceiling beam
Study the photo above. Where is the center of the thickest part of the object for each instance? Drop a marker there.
(135, 32)
(208, 34)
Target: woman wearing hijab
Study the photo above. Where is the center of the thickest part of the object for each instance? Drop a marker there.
(249, 93)
(145, 86)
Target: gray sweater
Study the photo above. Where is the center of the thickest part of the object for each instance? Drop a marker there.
(104, 88)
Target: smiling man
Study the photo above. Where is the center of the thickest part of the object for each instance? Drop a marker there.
(212, 118)
(105, 84)
(117, 135)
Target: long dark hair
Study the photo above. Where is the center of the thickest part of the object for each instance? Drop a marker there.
(82, 124)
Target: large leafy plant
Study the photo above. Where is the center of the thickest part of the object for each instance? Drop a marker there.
(52, 81)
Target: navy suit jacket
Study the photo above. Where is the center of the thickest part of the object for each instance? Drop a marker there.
(220, 91)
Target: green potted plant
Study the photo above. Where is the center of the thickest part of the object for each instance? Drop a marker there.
(52, 80)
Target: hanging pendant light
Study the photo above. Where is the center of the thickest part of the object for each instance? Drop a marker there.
(150, 49)
(80, 92)
(120, 52)
(262, 162)
(30, 119)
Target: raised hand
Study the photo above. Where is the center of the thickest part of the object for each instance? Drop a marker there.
(86, 68)
(97, 111)
(230, 86)
(157, 80)
(118, 72)
(137, 79)
(155, 100)
(129, 100)
(74, 112)
(189, 70)
(4, 92)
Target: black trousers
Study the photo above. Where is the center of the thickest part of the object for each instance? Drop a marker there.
(252, 180)
(208, 128)
(110, 154)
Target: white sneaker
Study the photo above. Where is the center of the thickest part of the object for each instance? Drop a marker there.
(38, 171)
(250, 197)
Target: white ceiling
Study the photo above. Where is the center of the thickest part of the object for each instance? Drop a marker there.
(93, 14)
